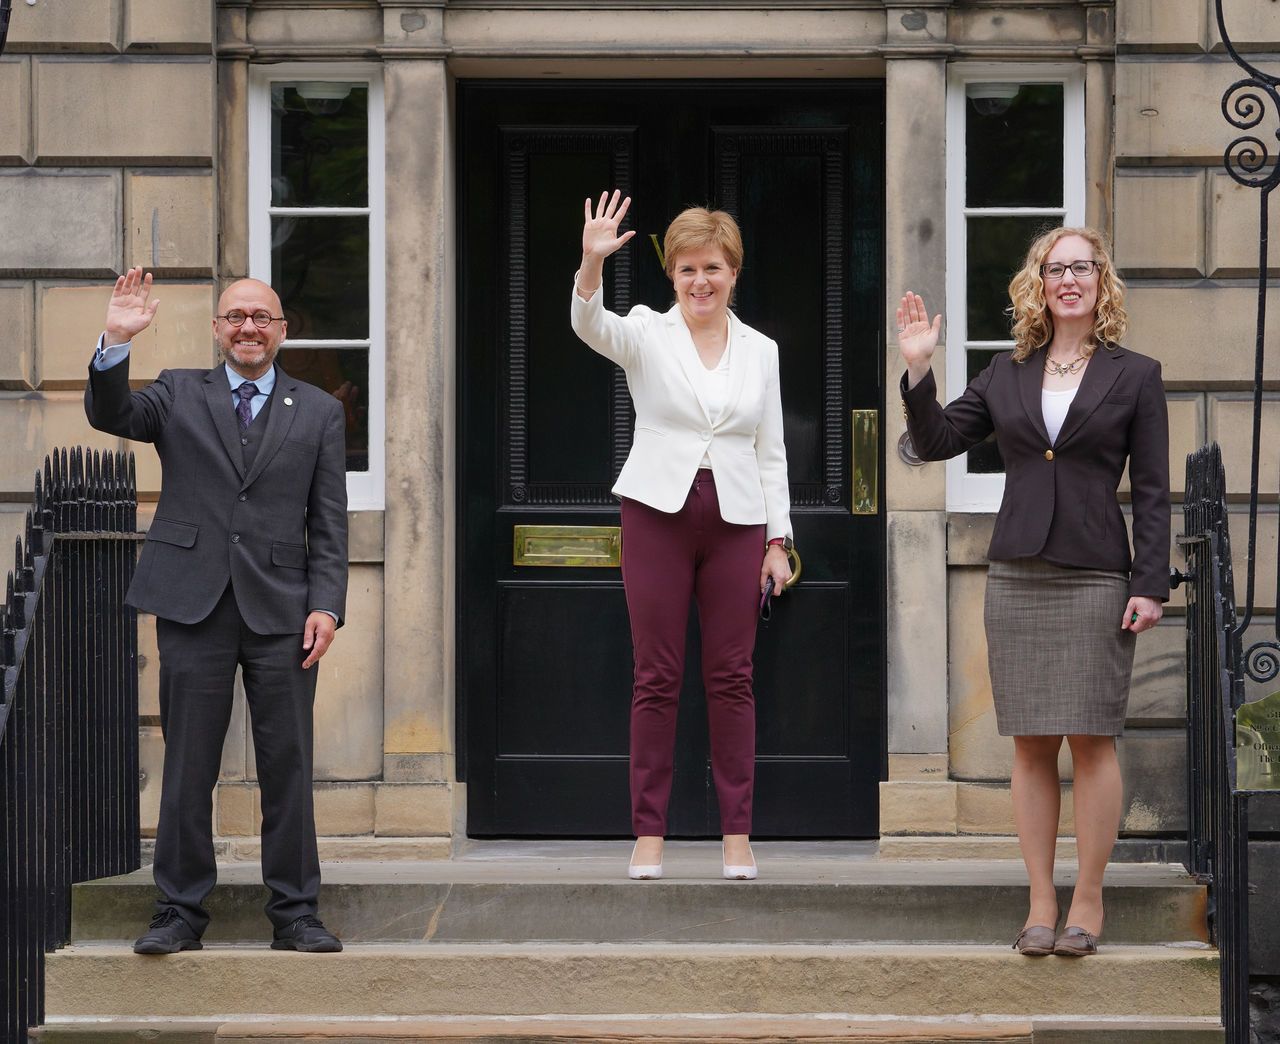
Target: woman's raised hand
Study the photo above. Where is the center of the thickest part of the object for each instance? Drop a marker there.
(600, 231)
(917, 337)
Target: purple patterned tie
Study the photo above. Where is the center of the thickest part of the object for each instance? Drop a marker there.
(244, 409)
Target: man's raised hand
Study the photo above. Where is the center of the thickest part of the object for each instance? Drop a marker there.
(130, 309)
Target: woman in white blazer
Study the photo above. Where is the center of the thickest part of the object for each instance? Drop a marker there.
(705, 507)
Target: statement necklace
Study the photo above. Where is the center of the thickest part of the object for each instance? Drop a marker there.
(1062, 369)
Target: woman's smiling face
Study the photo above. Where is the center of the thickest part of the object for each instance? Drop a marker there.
(704, 283)
(1071, 297)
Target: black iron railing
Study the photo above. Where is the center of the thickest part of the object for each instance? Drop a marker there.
(69, 720)
(1217, 815)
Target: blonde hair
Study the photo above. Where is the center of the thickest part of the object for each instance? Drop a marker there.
(1032, 321)
(698, 227)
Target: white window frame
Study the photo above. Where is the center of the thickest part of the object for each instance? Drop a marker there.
(365, 490)
(965, 491)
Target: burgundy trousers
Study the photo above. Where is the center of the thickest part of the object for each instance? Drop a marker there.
(668, 559)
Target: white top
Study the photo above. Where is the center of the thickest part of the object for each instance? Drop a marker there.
(713, 390)
(1054, 406)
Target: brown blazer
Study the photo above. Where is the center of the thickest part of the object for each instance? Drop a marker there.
(1060, 499)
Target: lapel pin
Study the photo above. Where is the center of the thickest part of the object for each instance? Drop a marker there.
(288, 401)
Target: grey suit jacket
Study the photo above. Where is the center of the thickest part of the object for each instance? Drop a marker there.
(277, 532)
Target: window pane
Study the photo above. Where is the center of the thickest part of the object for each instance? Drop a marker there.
(996, 248)
(320, 268)
(319, 145)
(345, 373)
(1013, 144)
(984, 458)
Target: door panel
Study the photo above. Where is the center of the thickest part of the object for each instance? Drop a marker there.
(544, 658)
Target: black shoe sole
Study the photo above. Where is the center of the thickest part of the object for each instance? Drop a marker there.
(281, 944)
(155, 949)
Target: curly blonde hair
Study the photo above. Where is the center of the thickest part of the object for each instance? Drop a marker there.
(1032, 321)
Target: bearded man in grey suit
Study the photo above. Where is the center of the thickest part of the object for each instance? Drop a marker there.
(244, 565)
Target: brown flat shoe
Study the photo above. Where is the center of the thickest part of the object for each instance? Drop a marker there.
(1075, 942)
(1034, 941)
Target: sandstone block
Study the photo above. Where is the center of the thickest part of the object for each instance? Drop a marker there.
(976, 750)
(70, 320)
(344, 809)
(334, 27)
(13, 524)
(1264, 562)
(917, 767)
(148, 667)
(86, 25)
(31, 424)
(124, 112)
(1161, 25)
(984, 808)
(1166, 112)
(413, 809)
(1004, 25)
(151, 773)
(348, 711)
(1231, 426)
(968, 537)
(60, 223)
(917, 620)
(1153, 765)
(17, 319)
(168, 25)
(364, 535)
(918, 807)
(1202, 334)
(1233, 229)
(169, 223)
(1147, 241)
(238, 762)
(15, 115)
(239, 810)
(1251, 26)
(1158, 692)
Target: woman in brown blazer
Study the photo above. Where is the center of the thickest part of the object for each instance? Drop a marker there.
(1065, 599)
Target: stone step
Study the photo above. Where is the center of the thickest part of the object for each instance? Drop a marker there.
(555, 898)
(102, 980)
(669, 1029)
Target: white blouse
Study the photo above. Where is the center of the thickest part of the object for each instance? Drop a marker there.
(713, 390)
(1054, 406)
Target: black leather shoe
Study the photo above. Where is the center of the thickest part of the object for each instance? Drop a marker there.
(168, 933)
(308, 935)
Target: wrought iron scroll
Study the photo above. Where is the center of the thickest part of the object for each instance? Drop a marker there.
(1249, 160)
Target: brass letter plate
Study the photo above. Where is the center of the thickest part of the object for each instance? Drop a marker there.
(1258, 744)
(573, 546)
(865, 425)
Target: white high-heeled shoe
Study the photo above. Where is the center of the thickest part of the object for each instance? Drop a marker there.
(739, 873)
(643, 871)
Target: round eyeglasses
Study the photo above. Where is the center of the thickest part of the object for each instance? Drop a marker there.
(261, 318)
(1056, 269)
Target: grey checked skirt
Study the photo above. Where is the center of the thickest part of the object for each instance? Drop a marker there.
(1060, 664)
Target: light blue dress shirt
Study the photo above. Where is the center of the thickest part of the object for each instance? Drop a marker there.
(109, 355)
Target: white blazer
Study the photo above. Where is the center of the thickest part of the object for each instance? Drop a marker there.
(673, 431)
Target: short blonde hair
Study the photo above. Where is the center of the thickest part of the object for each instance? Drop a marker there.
(698, 227)
(1032, 321)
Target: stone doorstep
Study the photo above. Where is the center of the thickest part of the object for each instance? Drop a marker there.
(668, 1029)
(109, 981)
(965, 846)
(797, 901)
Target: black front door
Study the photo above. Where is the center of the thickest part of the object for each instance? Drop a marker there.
(544, 652)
